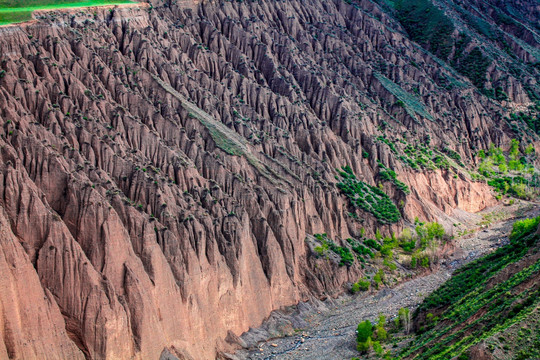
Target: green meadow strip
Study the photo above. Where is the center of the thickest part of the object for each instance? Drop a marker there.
(14, 12)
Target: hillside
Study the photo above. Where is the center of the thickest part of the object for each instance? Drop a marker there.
(488, 309)
(171, 173)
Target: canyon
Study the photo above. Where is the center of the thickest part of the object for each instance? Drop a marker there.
(163, 164)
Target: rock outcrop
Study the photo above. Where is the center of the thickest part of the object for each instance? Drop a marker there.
(161, 166)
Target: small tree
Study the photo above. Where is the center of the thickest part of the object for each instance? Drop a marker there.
(435, 230)
(405, 319)
(364, 331)
(364, 346)
(481, 155)
(363, 284)
(381, 332)
(514, 149)
(378, 348)
(378, 278)
(406, 235)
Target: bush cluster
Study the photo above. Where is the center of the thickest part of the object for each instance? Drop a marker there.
(346, 257)
(369, 198)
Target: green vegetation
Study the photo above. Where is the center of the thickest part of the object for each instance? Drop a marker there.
(530, 117)
(327, 244)
(378, 278)
(390, 175)
(384, 139)
(360, 249)
(369, 336)
(367, 197)
(364, 331)
(524, 227)
(453, 155)
(13, 11)
(510, 173)
(404, 320)
(482, 299)
(361, 285)
(432, 29)
(31, 5)
(373, 244)
(14, 17)
(421, 246)
(426, 25)
(226, 139)
(474, 65)
(419, 156)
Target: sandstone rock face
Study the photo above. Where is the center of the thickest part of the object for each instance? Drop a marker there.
(161, 167)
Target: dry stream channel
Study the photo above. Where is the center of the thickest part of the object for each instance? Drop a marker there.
(329, 331)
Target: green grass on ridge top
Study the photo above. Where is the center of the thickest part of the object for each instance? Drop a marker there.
(13, 11)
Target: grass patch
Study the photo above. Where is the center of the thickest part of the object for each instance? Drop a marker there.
(29, 5)
(14, 17)
(410, 103)
(15, 11)
(226, 139)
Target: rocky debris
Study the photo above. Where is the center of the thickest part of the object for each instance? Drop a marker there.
(329, 330)
(161, 167)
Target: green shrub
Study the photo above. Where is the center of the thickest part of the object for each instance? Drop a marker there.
(474, 66)
(531, 118)
(364, 346)
(414, 262)
(361, 285)
(390, 175)
(435, 230)
(382, 334)
(364, 331)
(378, 348)
(378, 278)
(373, 244)
(347, 258)
(319, 250)
(408, 246)
(369, 198)
(523, 227)
(360, 249)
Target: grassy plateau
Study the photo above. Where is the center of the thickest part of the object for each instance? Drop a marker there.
(14, 11)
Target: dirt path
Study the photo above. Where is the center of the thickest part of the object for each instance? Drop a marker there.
(330, 334)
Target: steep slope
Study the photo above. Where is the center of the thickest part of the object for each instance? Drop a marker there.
(488, 309)
(162, 165)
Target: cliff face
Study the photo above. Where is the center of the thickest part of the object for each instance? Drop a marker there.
(162, 166)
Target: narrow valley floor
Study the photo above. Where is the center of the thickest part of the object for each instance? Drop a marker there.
(330, 333)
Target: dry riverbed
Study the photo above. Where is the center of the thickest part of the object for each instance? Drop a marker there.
(326, 329)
